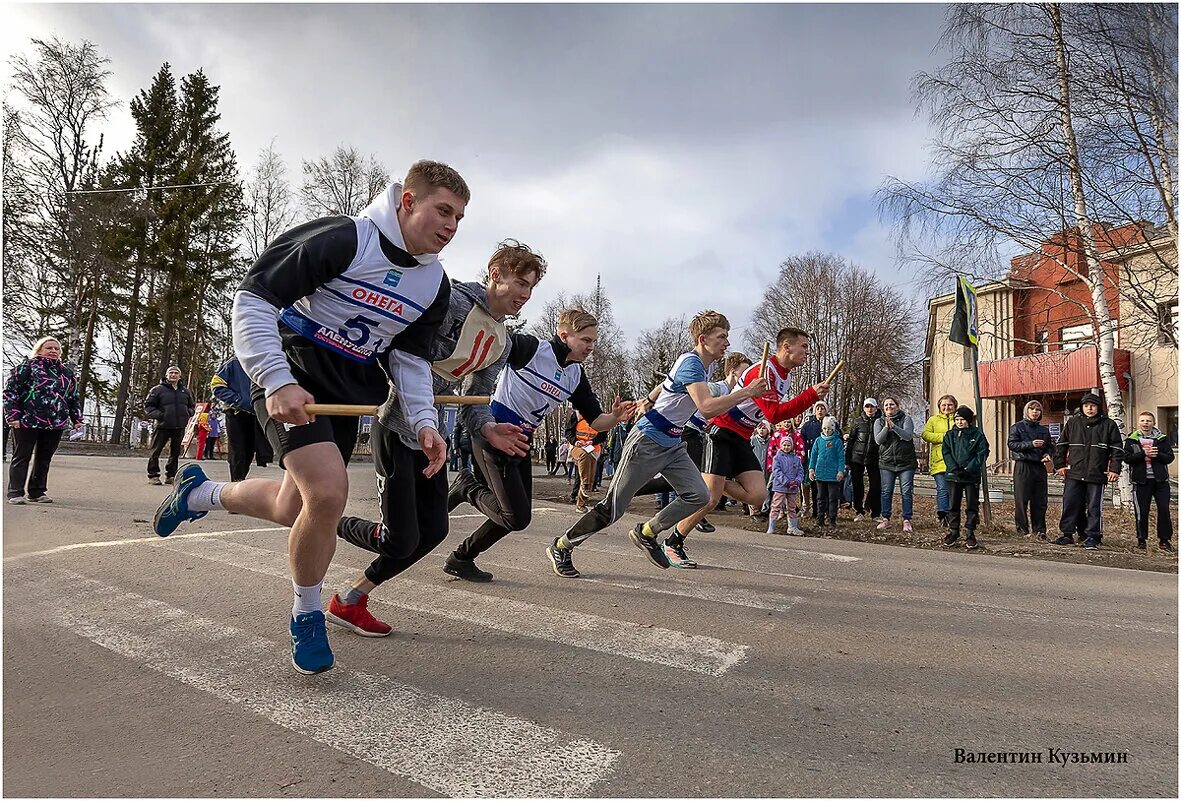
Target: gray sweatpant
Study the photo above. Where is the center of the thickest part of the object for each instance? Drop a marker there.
(642, 459)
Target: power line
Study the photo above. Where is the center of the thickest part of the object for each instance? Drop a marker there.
(146, 188)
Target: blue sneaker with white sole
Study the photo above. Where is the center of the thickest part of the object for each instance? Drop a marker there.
(174, 509)
(310, 653)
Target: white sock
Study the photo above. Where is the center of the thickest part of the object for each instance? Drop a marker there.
(307, 599)
(206, 497)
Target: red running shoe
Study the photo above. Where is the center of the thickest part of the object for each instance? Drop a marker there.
(356, 617)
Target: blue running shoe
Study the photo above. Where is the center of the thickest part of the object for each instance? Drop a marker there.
(310, 653)
(174, 510)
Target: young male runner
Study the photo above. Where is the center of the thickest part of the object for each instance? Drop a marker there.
(698, 444)
(732, 466)
(540, 376)
(325, 307)
(472, 346)
(654, 445)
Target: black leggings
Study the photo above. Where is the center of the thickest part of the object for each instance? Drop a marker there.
(504, 496)
(37, 445)
(413, 509)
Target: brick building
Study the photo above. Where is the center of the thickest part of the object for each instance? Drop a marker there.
(1037, 340)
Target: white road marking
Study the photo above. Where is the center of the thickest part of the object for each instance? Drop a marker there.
(631, 554)
(734, 596)
(829, 557)
(444, 744)
(110, 543)
(676, 649)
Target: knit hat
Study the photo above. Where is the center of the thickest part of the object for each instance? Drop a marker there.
(828, 424)
(1091, 397)
(967, 414)
(871, 402)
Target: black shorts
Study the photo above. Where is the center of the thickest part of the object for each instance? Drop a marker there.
(730, 455)
(339, 430)
(699, 446)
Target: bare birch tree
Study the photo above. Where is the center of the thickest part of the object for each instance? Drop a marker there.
(1027, 149)
(342, 183)
(269, 210)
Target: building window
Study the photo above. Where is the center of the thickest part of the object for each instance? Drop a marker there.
(1076, 336)
(1169, 332)
(967, 358)
(1043, 342)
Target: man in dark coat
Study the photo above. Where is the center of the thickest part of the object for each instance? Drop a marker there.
(1088, 455)
(171, 405)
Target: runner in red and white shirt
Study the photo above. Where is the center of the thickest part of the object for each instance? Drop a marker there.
(732, 467)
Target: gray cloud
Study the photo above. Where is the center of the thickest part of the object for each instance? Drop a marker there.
(681, 151)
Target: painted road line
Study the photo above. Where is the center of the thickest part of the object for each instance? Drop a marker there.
(734, 596)
(676, 649)
(828, 557)
(631, 555)
(111, 543)
(444, 744)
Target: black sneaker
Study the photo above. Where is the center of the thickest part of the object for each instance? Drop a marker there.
(1041, 535)
(1141, 545)
(465, 569)
(970, 542)
(1065, 539)
(950, 538)
(561, 559)
(706, 527)
(1165, 546)
(1091, 545)
(649, 545)
(460, 490)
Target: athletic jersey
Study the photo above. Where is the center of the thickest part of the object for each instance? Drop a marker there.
(665, 422)
(716, 390)
(470, 351)
(537, 380)
(348, 297)
(774, 406)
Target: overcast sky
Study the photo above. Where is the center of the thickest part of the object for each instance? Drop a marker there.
(681, 151)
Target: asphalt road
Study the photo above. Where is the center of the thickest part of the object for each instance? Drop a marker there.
(782, 667)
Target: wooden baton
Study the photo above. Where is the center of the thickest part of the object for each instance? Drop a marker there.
(834, 372)
(763, 363)
(353, 410)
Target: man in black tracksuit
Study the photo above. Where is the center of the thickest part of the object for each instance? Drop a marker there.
(170, 404)
(862, 455)
(1088, 455)
(1149, 453)
(1032, 449)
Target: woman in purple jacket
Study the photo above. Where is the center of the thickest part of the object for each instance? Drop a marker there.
(40, 402)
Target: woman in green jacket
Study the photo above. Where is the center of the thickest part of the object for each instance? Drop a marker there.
(933, 432)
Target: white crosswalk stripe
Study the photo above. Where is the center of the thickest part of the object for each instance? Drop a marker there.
(734, 596)
(676, 649)
(444, 744)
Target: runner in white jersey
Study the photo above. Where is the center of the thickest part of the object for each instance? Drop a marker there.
(470, 352)
(733, 468)
(655, 445)
(539, 376)
(698, 445)
(323, 311)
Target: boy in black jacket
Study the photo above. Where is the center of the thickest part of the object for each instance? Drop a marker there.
(1088, 455)
(965, 451)
(1149, 454)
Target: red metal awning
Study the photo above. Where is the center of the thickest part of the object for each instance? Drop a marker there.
(1048, 373)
